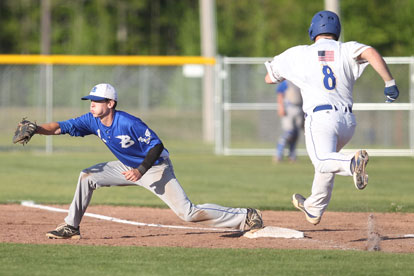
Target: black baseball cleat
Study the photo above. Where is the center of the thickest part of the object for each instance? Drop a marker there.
(254, 220)
(64, 231)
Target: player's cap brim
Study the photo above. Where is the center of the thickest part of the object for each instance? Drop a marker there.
(93, 98)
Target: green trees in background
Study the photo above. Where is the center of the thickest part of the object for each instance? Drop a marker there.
(161, 27)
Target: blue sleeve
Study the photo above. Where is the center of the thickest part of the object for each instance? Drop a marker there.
(146, 136)
(281, 88)
(79, 126)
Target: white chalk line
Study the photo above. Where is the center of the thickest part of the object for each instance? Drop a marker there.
(268, 231)
(31, 204)
(384, 237)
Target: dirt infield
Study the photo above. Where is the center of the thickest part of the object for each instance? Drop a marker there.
(340, 231)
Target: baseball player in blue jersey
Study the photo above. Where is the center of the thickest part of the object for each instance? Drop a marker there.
(289, 102)
(326, 72)
(142, 161)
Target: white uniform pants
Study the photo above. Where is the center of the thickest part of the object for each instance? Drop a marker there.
(161, 181)
(326, 133)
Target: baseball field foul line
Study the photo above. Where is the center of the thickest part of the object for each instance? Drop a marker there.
(268, 231)
(31, 204)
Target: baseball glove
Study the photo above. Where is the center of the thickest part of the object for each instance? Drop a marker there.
(24, 132)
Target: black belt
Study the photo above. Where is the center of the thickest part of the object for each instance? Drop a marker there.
(329, 107)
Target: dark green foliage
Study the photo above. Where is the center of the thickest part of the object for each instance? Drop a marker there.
(161, 27)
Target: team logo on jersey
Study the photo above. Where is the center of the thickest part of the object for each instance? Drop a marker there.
(126, 141)
(147, 138)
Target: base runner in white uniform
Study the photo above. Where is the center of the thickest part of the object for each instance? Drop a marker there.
(142, 161)
(326, 72)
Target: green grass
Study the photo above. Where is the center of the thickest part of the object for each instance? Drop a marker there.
(17, 259)
(206, 178)
(27, 174)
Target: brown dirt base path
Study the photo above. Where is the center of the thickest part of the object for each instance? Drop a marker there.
(339, 231)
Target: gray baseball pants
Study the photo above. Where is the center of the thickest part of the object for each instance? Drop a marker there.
(161, 181)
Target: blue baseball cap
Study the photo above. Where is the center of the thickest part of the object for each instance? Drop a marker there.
(101, 92)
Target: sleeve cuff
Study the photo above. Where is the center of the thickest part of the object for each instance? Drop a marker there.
(62, 126)
(270, 72)
(390, 83)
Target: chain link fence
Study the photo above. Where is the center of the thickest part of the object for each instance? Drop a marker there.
(249, 124)
(167, 99)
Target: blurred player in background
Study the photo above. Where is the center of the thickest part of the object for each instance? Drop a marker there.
(326, 72)
(142, 161)
(289, 103)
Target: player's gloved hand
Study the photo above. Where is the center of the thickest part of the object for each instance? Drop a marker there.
(391, 91)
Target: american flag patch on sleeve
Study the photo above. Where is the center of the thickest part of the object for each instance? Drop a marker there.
(326, 56)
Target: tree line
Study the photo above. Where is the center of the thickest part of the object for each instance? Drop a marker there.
(245, 28)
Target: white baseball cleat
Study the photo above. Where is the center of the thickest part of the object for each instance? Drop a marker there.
(358, 167)
(298, 201)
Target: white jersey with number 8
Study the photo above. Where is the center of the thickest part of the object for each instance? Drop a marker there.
(325, 71)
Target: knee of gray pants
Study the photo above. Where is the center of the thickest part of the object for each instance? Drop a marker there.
(86, 178)
(185, 211)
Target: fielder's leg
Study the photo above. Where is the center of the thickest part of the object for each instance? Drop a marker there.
(287, 135)
(292, 145)
(104, 174)
(298, 120)
(160, 180)
(90, 179)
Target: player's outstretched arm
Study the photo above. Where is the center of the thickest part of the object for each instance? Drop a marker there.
(49, 129)
(377, 62)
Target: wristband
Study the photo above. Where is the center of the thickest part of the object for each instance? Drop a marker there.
(153, 154)
(142, 169)
(390, 83)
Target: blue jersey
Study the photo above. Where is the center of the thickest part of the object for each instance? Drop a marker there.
(128, 138)
(282, 87)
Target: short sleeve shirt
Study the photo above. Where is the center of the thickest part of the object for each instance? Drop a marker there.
(128, 138)
(325, 71)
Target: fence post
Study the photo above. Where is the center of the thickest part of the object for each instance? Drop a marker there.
(218, 106)
(411, 97)
(48, 68)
